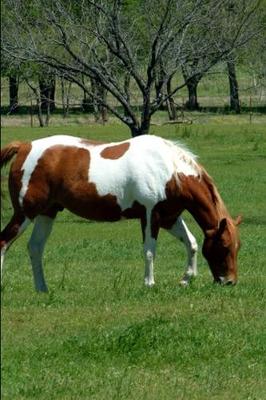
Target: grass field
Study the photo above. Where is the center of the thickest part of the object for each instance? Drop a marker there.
(100, 334)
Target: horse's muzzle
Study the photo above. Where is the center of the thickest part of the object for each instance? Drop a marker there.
(225, 281)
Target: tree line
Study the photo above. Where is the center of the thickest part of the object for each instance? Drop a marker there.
(149, 49)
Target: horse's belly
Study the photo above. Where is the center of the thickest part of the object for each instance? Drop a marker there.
(88, 204)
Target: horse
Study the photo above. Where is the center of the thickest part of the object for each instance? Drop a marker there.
(147, 177)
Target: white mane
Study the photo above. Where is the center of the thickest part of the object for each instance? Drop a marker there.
(182, 156)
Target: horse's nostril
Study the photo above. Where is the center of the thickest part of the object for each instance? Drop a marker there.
(230, 282)
(223, 281)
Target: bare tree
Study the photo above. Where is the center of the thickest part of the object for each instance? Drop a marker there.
(37, 96)
(42, 85)
(192, 80)
(13, 92)
(47, 91)
(108, 42)
(233, 86)
(65, 95)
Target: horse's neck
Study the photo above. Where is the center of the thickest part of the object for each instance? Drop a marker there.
(204, 202)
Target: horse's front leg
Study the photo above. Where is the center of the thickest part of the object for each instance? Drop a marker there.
(181, 231)
(150, 229)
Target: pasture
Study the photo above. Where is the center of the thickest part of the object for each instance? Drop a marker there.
(99, 333)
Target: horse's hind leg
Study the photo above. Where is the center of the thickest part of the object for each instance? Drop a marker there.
(181, 231)
(11, 232)
(41, 231)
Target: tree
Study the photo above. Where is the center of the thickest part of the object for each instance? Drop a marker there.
(253, 56)
(39, 82)
(233, 86)
(13, 92)
(233, 15)
(192, 85)
(47, 91)
(13, 76)
(110, 41)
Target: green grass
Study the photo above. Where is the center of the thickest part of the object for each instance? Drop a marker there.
(100, 334)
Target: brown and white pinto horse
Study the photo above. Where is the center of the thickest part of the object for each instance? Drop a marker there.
(146, 177)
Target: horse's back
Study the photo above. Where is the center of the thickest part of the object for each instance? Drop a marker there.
(94, 180)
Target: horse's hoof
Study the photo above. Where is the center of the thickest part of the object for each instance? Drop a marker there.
(184, 283)
(149, 284)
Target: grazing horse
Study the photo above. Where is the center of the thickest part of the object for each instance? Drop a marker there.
(147, 177)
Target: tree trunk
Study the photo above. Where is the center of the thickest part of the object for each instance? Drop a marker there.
(159, 85)
(39, 112)
(233, 84)
(94, 104)
(52, 94)
(142, 128)
(63, 98)
(139, 130)
(171, 108)
(38, 102)
(65, 93)
(47, 92)
(13, 93)
(47, 118)
(87, 104)
(103, 110)
(145, 115)
(192, 86)
(127, 92)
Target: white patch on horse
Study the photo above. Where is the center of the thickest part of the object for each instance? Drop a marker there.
(181, 231)
(142, 172)
(149, 252)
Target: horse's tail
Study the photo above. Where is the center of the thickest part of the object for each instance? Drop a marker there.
(8, 152)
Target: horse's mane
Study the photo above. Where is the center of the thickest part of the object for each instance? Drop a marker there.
(191, 159)
(184, 154)
(216, 198)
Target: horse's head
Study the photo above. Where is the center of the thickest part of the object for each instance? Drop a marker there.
(220, 248)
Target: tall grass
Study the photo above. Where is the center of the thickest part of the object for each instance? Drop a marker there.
(100, 333)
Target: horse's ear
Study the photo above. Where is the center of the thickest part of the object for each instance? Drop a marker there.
(238, 220)
(222, 227)
(223, 234)
(217, 232)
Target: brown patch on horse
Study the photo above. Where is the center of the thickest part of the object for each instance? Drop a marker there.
(61, 180)
(195, 191)
(16, 173)
(137, 210)
(166, 212)
(11, 230)
(116, 151)
(186, 192)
